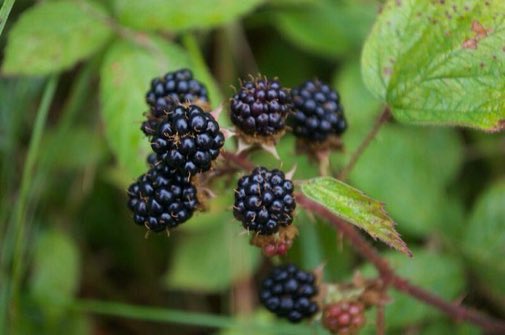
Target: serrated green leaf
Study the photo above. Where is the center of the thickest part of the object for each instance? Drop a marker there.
(210, 260)
(177, 15)
(126, 73)
(438, 273)
(53, 36)
(439, 62)
(355, 207)
(327, 28)
(56, 273)
(484, 241)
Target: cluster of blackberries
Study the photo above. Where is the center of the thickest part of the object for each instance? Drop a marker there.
(185, 140)
(344, 317)
(260, 108)
(289, 293)
(264, 201)
(318, 113)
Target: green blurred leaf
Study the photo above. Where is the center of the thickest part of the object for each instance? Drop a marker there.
(435, 272)
(355, 207)
(126, 73)
(484, 241)
(211, 260)
(439, 62)
(409, 169)
(56, 273)
(176, 15)
(53, 36)
(328, 28)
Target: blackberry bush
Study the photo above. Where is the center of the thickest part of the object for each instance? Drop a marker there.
(264, 201)
(289, 293)
(177, 86)
(260, 108)
(162, 199)
(318, 113)
(187, 139)
(344, 318)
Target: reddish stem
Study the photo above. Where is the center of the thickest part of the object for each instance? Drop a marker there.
(379, 322)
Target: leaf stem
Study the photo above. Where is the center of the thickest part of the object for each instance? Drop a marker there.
(4, 13)
(15, 237)
(381, 119)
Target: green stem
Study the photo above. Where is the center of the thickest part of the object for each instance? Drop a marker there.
(4, 13)
(15, 238)
(181, 317)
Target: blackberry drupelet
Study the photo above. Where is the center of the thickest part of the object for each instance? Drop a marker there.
(260, 108)
(187, 140)
(344, 318)
(318, 113)
(162, 199)
(178, 86)
(289, 293)
(264, 201)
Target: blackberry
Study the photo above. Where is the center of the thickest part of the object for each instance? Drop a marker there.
(264, 201)
(260, 108)
(161, 199)
(344, 318)
(289, 292)
(177, 86)
(187, 139)
(318, 113)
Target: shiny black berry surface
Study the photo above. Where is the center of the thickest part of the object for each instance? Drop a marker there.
(289, 293)
(177, 86)
(161, 198)
(260, 107)
(187, 140)
(264, 201)
(317, 112)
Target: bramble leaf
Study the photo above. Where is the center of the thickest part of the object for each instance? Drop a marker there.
(355, 207)
(439, 62)
(53, 36)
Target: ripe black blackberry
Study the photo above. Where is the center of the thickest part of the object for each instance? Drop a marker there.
(289, 293)
(178, 86)
(318, 113)
(162, 199)
(187, 139)
(344, 318)
(264, 201)
(260, 108)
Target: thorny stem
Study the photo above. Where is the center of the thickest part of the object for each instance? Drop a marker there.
(381, 119)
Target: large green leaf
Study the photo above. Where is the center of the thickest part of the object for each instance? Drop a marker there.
(438, 273)
(53, 36)
(355, 207)
(327, 28)
(484, 242)
(439, 62)
(126, 74)
(176, 15)
(212, 259)
(56, 273)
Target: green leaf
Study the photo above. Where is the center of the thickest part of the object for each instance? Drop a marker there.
(439, 62)
(327, 28)
(56, 273)
(176, 15)
(126, 73)
(211, 260)
(53, 36)
(484, 241)
(355, 207)
(437, 273)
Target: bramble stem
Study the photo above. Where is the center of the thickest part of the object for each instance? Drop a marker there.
(383, 118)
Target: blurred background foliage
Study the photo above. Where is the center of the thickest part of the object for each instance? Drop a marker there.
(68, 244)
